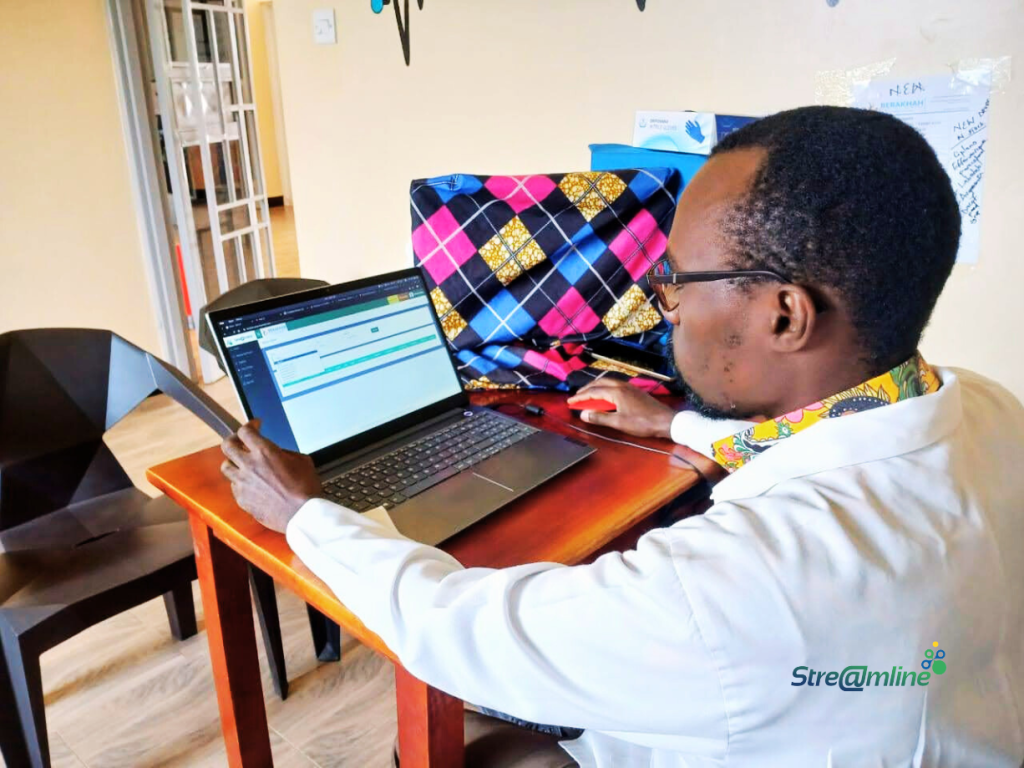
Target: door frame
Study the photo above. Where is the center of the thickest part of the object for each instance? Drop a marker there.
(165, 216)
(149, 190)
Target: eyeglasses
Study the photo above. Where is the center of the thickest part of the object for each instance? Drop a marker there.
(661, 275)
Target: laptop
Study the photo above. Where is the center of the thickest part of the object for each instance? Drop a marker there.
(359, 377)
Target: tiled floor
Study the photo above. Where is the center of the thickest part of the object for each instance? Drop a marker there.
(125, 694)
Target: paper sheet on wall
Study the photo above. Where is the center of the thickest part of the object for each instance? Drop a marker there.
(951, 112)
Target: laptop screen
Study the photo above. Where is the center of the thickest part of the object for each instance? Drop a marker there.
(326, 369)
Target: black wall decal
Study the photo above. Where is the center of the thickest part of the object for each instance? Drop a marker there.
(403, 24)
(402, 19)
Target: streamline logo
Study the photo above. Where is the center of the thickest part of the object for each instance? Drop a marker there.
(857, 678)
(934, 660)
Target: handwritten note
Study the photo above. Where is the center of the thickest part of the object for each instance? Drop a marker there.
(952, 114)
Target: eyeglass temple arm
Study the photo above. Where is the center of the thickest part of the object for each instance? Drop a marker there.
(705, 277)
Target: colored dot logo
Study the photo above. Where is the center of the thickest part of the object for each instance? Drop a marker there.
(933, 659)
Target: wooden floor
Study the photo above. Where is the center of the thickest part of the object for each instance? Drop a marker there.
(286, 251)
(125, 694)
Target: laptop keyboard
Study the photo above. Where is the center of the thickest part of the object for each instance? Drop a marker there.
(405, 472)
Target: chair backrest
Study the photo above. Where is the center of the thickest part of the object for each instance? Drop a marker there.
(243, 294)
(61, 389)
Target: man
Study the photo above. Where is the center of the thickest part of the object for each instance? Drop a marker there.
(855, 595)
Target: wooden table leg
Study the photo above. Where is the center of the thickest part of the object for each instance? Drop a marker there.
(429, 724)
(224, 582)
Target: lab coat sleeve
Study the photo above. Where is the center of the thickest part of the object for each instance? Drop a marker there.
(611, 646)
(698, 432)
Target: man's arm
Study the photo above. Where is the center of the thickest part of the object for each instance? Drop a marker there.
(638, 413)
(611, 646)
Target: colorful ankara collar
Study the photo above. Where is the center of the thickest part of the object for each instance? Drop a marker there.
(908, 379)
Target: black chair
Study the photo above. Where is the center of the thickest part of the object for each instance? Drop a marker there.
(254, 290)
(79, 543)
(326, 633)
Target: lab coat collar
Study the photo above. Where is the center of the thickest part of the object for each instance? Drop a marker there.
(880, 433)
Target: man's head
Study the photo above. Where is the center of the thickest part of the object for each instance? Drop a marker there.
(854, 209)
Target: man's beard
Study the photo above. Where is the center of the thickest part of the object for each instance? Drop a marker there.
(694, 401)
(697, 403)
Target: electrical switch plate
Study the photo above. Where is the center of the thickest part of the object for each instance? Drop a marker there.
(324, 30)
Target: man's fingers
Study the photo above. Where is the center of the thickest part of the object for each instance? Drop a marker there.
(600, 383)
(590, 392)
(239, 493)
(230, 471)
(601, 418)
(232, 448)
(612, 395)
(251, 438)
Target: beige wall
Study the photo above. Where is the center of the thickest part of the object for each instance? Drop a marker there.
(264, 102)
(70, 249)
(514, 87)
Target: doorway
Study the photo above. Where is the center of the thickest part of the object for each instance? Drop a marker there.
(187, 83)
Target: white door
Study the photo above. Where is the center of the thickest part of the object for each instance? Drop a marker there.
(207, 118)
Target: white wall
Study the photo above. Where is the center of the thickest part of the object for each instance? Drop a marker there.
(514, 86)
(70, 248)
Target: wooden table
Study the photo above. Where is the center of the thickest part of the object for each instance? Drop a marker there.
(606, 502)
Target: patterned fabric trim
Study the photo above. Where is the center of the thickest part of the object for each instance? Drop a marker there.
(911, 378)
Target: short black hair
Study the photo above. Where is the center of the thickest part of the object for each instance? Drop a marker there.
(856, 201)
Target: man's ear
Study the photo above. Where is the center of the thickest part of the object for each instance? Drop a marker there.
(794, 318)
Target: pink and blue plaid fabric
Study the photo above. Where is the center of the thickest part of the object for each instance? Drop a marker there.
(526, 270)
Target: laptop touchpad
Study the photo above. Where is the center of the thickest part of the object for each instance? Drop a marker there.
(527, 464)
(447, 508)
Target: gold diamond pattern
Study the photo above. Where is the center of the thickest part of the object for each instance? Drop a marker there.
(512, 251)
(591, 191)
(607, 365)
(631, 314)
(484, 383)
(451, 321)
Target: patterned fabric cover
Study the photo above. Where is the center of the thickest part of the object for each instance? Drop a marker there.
(526, 270)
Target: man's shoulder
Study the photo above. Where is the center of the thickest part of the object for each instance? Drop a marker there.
(992, 419)
(980, 391)
(836, 503)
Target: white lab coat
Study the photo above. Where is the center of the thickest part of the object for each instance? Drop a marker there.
(859, 541)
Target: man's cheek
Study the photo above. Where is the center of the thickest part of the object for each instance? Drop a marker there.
(692, 361)
(678, 349)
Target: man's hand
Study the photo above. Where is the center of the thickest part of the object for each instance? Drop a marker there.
(268, 482)
(637, 412)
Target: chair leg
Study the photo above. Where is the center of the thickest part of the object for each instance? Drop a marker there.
(181, 611)
(270, 624)
(23, 740)
(326, 635)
